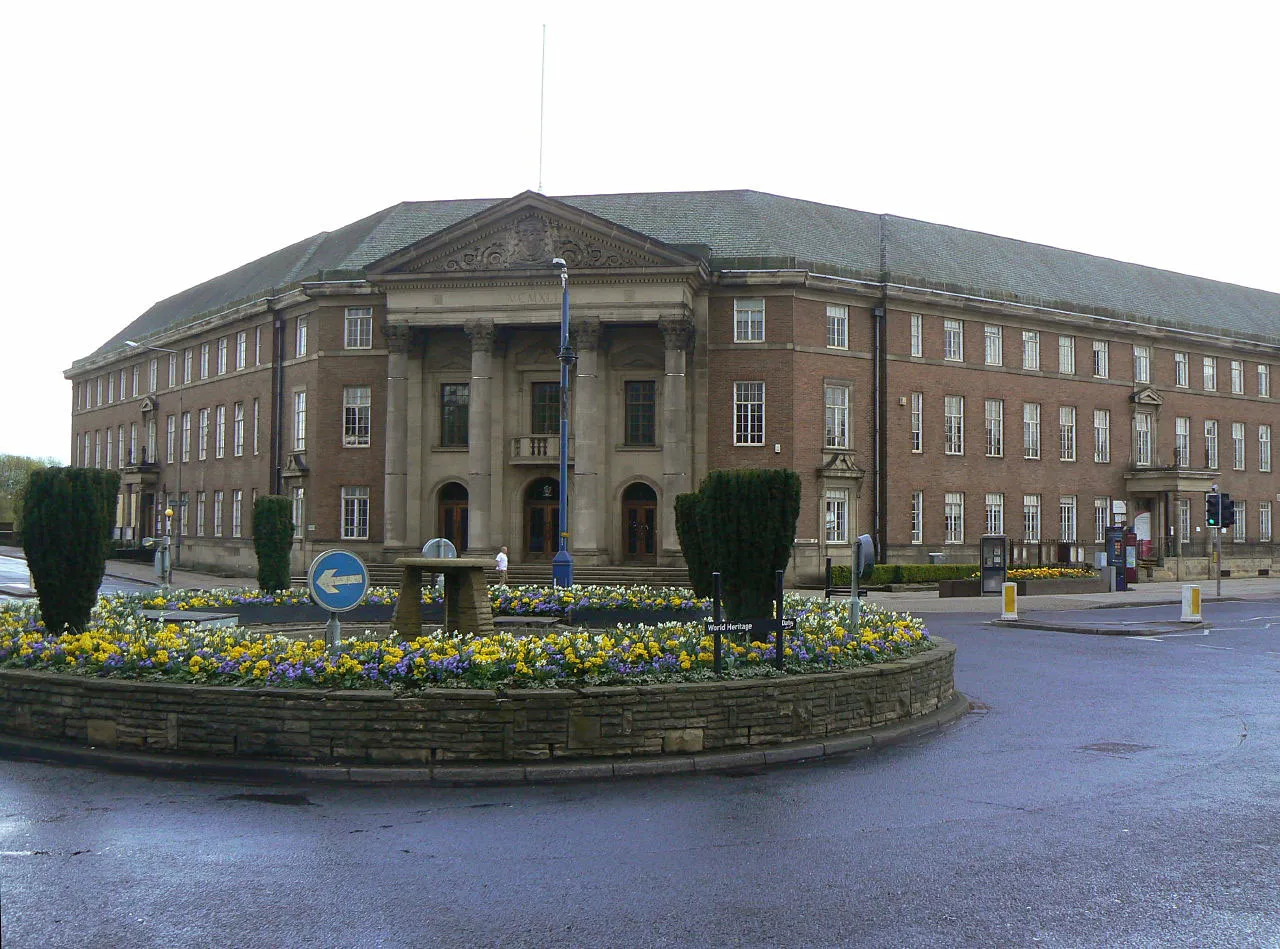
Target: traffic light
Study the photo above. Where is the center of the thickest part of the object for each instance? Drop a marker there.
(1228, 511)
(1213, 510)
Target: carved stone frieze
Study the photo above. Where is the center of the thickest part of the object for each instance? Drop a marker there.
(677, 332)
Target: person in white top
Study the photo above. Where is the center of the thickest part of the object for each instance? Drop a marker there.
(501, 561)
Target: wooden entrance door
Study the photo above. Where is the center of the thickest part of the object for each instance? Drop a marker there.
(452, 515)
(639, 524)
(542, 519)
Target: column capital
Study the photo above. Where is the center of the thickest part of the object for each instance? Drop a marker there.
(398, 336)
(484, 335)
(584, 333)
(677, 332)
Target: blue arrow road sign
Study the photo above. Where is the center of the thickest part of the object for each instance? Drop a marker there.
(337, 580)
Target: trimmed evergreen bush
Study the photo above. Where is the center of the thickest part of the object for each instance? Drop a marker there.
(67, 516)
(885, 573)
(272, 541)
(691, 543)
(746, 526)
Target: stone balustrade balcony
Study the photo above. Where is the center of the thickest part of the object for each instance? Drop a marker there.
(538, 450)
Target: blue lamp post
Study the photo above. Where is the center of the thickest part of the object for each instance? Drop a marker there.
(562, 564)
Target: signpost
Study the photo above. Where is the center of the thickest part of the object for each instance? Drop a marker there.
(338, 581)
(748, 629)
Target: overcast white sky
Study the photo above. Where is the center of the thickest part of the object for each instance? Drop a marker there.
(154, 145)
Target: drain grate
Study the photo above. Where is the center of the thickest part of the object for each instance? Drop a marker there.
(1115, 748)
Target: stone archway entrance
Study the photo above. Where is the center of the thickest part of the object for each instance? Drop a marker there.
(542, 519)
(639, 524)
(452, 514)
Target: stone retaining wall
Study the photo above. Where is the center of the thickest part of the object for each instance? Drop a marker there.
(469, 725)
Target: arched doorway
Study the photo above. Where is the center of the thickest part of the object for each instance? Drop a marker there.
(451, 514)
(639, 523)
(542, 519)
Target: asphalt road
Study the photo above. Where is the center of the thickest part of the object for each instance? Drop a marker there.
(1109, 791)
(13, 571)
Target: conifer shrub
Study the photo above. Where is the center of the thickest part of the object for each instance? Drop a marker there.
(691, 543)
(67, 516)
(272, 540)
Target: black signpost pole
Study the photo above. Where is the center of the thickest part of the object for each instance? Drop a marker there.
(777, 609)
(715, 613)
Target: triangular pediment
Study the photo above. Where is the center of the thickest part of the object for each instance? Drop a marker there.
(1146, 395)
(526, 233)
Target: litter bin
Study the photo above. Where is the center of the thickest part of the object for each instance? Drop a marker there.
(937, 557)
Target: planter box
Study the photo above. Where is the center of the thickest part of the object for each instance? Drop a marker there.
(948, 588)
(1063, 585)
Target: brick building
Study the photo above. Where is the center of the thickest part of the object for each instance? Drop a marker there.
(398, 378)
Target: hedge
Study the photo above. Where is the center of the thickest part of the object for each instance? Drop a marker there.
(886, 573)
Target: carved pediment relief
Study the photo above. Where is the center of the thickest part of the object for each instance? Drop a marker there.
(147, 405)
(840, 464)
(1146, 396)
(636, 357)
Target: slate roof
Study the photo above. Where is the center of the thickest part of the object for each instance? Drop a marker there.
(750, 230)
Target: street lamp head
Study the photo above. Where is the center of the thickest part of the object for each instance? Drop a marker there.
(131, 343)
(168, 512)
(559, 262)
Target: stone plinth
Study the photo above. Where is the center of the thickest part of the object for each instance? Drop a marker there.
(466, 595)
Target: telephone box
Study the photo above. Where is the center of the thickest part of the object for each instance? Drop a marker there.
(1115, 558)
(1130, 555)
(995, 562)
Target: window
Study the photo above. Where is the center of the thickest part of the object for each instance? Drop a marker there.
(1211, 443)
(173, 373)
(836, 501)
(1031, 430)
(237, 429)
(1030, 349)
(641, 412)
(953, 515)
(1181, 370)
(1031, 517)
(953, 340)
(242, 349)
(299, 510)
(222, 356)
(1142, 438)
(455, 418)
(133, 443)
(186, 368)
(1184, 520)
(993, 344)
(1067, 519)
(748, 321)
(111, 388)
(917, 517)
(220, 431)
(1237, 445)
(182, 515)
(1101, 358)
(1264, 522)
(1240, 529)
(1264, 447)
(257, 345)
(1142, 364)
(300, 420)
(202, 451)
(837, 416)
(199, 513)
(1067, 433)
(356, 416)
(1237, 377)
(355, 513)
(153, 383)
(1264, 382)
(124, 391)
(1101, 519)
(1102, 435)
(153, 374)
(359, 327)
(300, 337)
(995, 514)
(917, 422)
(108, 441)
(237, 497)
(255, 426)
(1067, 355)
(994, 421)
(135, 382)
(204, 360)
(917, 334)
(953, 424)
(217, 513)
(837, 326)
(170, 442)
(151, 441)
(121, 458)
(1182, 442)
(748, 413)
(1210, 374)
(546, 408)
(186, 436)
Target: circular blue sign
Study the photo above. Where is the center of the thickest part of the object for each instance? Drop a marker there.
(337, 580)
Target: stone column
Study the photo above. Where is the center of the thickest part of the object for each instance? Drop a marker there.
(394, 532)
(480, 433)
(590, 432)
(677, 436)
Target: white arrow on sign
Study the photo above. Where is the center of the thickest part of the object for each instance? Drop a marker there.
(329, 581)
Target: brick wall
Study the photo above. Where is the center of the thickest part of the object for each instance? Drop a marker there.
(377, 727)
